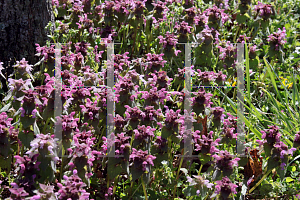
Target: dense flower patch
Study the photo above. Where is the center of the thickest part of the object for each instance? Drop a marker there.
(150, 118)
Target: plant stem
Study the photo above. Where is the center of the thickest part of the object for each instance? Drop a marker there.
(237, 31)
(131, 187)
(115, 184)
(175, 187)
(200, 169)
(61, 167)
(47, 121)
(259, 182)
(144, 188)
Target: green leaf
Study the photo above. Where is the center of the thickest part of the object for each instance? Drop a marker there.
(289, 179)
(27, 121)
(185, 171)
(247, 71)
(26, 138)
(8, 96)
(5, 162)
(5, 108)
(36, 129)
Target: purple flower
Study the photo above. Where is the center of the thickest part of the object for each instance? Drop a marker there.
(180, 74)
(44, 90)
(252, 51)
(215, 15)
(154, 96)
(264, 10)
(183, 28)
(220, 77)
(206, 77)
(121, 62)
(18, 193)
(199, 181)
(5, 122)
(125, 89)
(202, 98)
(44, 192)
(133, 113)
(47, 52)
(228, 54)
(190, 14)
(119, 122)
(241, 39)
(72, 188)
(90, 110)
(18, 86)
(82, 47)
(282, 165)
(200, 21)
(169, 41)
(271, 135)
(160, 79)
(159, 8)
(297, 140)
(144, 133)
(122, 142)
(43, 142)
(121, 7)
(277, 39)
(85, 22)
(77, 8)
(218, 113)
(283, 149)
(222, 3)
(138, 7)
(154, 62)
(225, 161)
(151, 114)
(206, 144)
(27, 166)
(161, 143)
(28, 102)
(207, 35)
(141, 159)
(225, 187)
(229, 133)
(231, 121)
(172, 119)
(82, 148)
(23, 68)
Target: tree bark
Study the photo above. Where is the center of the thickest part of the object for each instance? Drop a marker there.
(22, 25)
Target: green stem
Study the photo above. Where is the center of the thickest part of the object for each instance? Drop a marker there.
(131, 186)
(200, 169)
(237, 31)
(135, 190)
(177, 176)
(61, 167)
(266, 74)
(144, 188)
(44, 129)
(135, 34)
(259, 182)
(115, 184)
(148, 35)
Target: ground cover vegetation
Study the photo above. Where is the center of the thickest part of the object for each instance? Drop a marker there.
(150, 134)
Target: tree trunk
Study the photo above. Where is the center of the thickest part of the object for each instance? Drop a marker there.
(22, 25)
